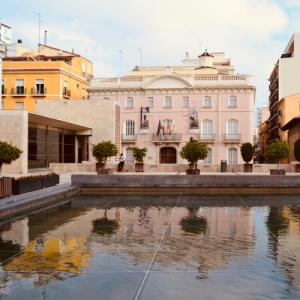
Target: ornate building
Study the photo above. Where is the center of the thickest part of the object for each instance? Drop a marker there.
(162, 107)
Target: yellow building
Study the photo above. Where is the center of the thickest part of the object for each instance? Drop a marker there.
(288, 108)
(263, 139)
(45, 73)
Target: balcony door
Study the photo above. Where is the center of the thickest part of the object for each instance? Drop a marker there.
(232, 127)
(168, 155)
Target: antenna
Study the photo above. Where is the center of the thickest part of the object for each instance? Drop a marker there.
(141, 55)
(39, 20)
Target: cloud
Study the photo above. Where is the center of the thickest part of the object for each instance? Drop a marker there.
(249, 31)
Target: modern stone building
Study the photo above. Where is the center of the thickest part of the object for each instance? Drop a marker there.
(284, 82)
(163, 106)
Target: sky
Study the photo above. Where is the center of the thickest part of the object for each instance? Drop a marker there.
(113, 34)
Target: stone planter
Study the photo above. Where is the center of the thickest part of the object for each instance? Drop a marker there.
(297, 168)
(50, 180)
(192, 171)
(277, 172)
(247, 168)
(20, 186)
(5, 187)
(139, 167)
(99, 167)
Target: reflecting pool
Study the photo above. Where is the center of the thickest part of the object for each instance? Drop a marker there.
(137, 247)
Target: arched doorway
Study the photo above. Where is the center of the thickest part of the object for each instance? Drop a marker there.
(168, 155)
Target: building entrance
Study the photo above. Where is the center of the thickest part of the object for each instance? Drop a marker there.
(168, 155)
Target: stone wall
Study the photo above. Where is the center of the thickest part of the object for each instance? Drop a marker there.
(14, 129)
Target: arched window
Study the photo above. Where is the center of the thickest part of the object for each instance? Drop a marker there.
(168, 155)
(232, 156)
(232, 101)
(207, 127)
(232, 127)
(129, 130)
(206, 101)
(208, 159)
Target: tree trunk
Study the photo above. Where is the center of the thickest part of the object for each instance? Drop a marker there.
(1, 170)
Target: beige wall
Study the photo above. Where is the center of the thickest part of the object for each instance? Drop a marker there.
(14, 129)
(99, 115)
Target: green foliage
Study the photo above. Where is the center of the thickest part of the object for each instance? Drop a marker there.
(139, 154)
(297, 150)
(8, 153)
(193, 151)
(103, 150)
(105, 226)
(278, 150)
(247, 151)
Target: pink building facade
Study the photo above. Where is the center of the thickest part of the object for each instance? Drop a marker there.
(162, 107)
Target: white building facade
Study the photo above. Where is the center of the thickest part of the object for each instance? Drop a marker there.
(162, 107)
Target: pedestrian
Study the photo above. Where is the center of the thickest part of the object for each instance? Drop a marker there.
(121, 163)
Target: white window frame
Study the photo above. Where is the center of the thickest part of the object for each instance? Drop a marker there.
(232, 101)
(150, 102)
(185, 101)
(206, 129)
(232, 129)
(207, 101)
(16, 85)
(129, 128)
(208, 159)
(129, 102)
(168, 102)
(232, 160)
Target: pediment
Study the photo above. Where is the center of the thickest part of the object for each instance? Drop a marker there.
(167, 82)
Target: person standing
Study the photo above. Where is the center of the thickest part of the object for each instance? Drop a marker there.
(121, 163)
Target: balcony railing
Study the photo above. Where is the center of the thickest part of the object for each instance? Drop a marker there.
(38, 92)
(129, 138)
(168, 138)
(207, 138)
(232, 138)
(3, 91)
(18, 92)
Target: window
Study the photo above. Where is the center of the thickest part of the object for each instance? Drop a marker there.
(185, 101)
(129, 155)
(168, 101)
(208, 159)
(65, 90)
(129, 130)
(206, 101)
(2, 88)
(83, 69)
(20, 105)
(20, 87)
(232, 127)
(232, 156)
(129, 102)
(2, 105)
(39, 87)
(207, 127)
(232, 101)
(150, 102)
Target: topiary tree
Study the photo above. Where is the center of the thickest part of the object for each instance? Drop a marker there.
(297, 150)
(247, 151)
(8, 154)
(193, 151)
(103, 150)
(278, 150)
(139, 154)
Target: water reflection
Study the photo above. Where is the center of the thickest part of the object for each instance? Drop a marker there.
(91, 237)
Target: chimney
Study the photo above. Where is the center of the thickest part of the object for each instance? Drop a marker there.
(45, 37)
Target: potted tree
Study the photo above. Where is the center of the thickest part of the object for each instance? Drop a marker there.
(101, 152)
(139, 154)
(276, 151)
(297, 155)
(192, 152)
(247, 151)
(8, 154)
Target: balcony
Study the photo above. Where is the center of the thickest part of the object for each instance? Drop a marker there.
(168, 138)
(18, 92)
(3, 91)
(207, 138)
(41, 92)
(66, 93)
(129, 138)
(232, 138)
